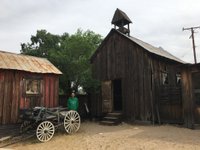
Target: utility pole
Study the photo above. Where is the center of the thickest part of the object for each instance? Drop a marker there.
(193, 42)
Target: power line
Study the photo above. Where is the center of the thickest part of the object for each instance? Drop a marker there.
(193, 42)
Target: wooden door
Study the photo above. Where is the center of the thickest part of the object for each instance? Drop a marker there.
(106, 88)
(196, 96)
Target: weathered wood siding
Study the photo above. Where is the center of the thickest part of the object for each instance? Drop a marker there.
(187, 97)
(12, 97)
(140, 73)
(191, 94)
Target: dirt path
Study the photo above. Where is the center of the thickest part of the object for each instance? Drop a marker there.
(93, 136)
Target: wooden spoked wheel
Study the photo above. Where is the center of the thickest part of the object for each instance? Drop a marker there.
(45, 131)
(72, 121)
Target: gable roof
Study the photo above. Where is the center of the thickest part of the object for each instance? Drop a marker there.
(119, 16)
(156, 50)
(151, 49)
(11, 61)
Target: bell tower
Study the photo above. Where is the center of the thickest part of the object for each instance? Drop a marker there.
(120, 20)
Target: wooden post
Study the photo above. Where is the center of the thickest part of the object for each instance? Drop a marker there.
(193, 43)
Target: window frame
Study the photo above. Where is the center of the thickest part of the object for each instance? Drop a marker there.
(164, 78)
(178, 78)
(34, 80)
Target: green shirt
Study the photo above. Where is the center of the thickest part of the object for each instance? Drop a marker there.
(72, 103)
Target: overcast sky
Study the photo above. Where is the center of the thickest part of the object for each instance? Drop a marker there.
(158, 22)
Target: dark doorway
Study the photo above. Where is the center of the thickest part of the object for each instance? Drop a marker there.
(117, 95)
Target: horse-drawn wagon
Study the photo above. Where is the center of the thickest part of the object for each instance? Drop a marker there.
(44, 121)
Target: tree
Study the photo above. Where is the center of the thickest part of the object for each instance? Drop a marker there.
(69, 53)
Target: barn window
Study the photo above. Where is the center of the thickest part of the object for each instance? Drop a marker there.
(32, 87)
(165, 78)
(178, 78)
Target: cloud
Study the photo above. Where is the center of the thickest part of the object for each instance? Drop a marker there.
(157, 22)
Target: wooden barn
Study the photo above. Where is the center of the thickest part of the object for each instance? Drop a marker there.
(139, 80)
(25, 82)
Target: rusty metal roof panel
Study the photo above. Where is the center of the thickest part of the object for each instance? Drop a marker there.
(26, 63)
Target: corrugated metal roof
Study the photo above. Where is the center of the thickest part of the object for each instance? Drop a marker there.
(153, 49)
(26, 63)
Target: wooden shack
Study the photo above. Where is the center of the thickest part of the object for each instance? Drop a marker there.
(138, 79)
(25, 82)
(191, 94)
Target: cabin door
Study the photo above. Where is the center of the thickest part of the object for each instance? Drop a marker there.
(106, 88)
(196, 96)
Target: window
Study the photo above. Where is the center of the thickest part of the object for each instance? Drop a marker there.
(165, 78)
(32, 86)
(178, 78)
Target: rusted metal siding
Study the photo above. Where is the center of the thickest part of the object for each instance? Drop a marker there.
(26, 63)
(12, 97)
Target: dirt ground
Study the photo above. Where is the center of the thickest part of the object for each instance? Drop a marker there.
(93, 136)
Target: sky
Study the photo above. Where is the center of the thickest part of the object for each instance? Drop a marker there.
(157, 22)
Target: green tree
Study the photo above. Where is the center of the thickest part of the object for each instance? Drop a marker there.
(69, 53)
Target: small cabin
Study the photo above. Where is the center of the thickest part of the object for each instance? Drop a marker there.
(141, 81)
(26, 82)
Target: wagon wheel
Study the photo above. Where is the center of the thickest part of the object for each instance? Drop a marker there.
(45, 131)
(25, 126)
(72, 121)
